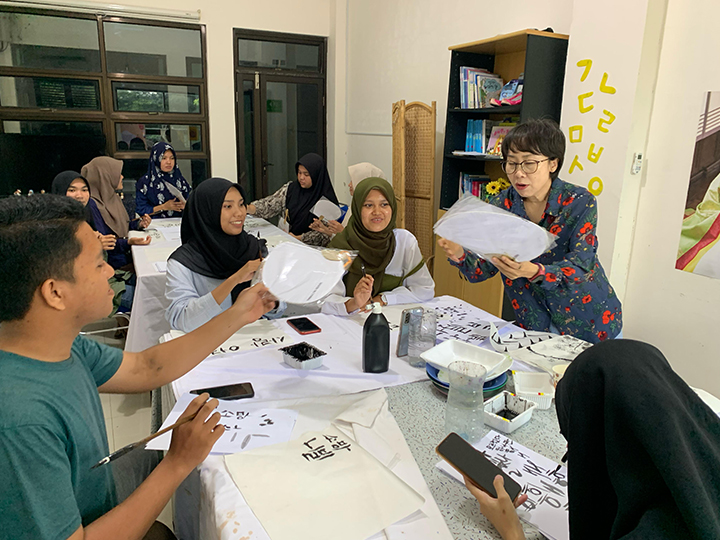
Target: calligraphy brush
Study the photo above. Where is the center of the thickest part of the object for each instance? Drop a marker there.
(130, 447)
(140, 217)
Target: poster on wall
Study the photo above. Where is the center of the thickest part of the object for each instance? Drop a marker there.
(699, 248)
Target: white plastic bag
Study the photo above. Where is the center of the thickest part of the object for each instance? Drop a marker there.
(490, 231)
(326, 210)
(300, 274)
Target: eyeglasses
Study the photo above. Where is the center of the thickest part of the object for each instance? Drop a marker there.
(528, 167)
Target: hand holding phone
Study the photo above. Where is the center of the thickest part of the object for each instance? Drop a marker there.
(485, 481)
(473, 464)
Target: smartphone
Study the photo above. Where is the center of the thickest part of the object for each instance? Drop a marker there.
(229, 392)
(303, 325)
(405, 318)
(472, 463)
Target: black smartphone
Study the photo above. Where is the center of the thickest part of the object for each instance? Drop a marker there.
(404, 336)
(472, 463)
(229, 392)
(303, 325)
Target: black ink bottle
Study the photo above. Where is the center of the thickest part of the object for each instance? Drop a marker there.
(376, 342)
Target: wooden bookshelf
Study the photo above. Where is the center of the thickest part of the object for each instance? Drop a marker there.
(541, 57)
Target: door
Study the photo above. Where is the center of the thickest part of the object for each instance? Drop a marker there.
(280, 107)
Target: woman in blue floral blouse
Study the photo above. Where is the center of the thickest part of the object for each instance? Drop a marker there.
(565, 289)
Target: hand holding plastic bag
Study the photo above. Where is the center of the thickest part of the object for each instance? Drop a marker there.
(491, 232)
(301, 274)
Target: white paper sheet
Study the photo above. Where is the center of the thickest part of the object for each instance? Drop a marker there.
(322, 486)
(155, 235)
(246, 427)
(471, 330)
(517, 340)
(172, 234)
(160, 266)
(546, 507)
(549, 353)
(503, 233)
(258, 335)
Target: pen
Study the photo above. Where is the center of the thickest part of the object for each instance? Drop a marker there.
(362, 268)
(130, 447)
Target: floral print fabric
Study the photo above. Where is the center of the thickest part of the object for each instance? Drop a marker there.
(574, 294)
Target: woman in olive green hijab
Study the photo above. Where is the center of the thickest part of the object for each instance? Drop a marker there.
(389, 268)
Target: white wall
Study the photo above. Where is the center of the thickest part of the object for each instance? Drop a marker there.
(619, 61)
(399, 50)
(677, 311)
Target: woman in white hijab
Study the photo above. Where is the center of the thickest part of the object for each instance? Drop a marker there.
(358, 173)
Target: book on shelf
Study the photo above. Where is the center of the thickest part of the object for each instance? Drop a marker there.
(478, 135)
(494, 145)
(471, 184)
(477, 87)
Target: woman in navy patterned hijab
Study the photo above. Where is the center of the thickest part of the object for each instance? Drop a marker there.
(163, 190)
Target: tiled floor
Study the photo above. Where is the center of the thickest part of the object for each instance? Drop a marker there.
(127, 419)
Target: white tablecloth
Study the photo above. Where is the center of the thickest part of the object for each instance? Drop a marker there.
(320, 395)
(341, 372)
(224, 514)
(148, 323)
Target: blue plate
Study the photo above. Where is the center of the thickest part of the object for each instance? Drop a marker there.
(490, 385)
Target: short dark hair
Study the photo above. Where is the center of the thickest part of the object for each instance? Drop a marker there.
(543, 137)
(37, 242)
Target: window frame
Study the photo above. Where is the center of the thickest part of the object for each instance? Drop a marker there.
(107, 114)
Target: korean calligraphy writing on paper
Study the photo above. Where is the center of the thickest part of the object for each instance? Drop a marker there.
(586, 104)
(324, 447)
(543, 486)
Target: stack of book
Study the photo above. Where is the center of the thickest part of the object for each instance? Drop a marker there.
(484, 136)
(472, 184)
(478, 87)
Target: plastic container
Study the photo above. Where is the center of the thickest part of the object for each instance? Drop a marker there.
(303, 356)
(464, 411)
(451, 350)
(506, 412)
(536, 386)
(376, 342)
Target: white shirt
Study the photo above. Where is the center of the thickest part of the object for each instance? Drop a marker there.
(191, 301)
(417, 288)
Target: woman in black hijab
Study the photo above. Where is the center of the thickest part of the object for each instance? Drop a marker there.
(73, 184)
(643, 450)
(294, 201)
(217, 258)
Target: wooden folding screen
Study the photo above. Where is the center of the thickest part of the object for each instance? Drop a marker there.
(413, 170)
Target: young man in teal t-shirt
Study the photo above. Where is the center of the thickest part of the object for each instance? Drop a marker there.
(54, 281)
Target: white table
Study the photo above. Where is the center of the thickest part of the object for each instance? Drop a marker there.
(148, 323)
(205, 500)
